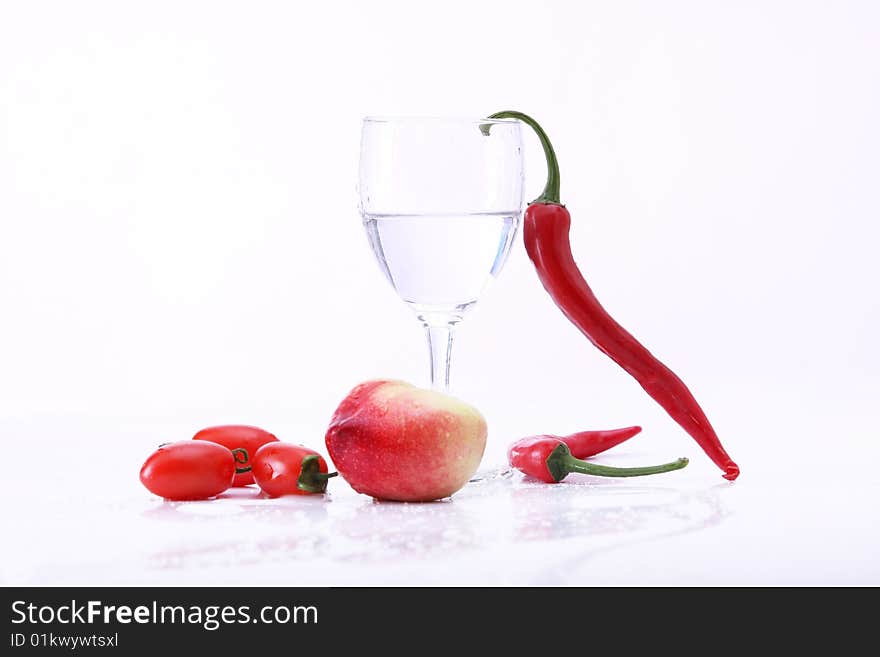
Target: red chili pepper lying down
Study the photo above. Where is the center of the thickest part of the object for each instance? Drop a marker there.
(545, 232)
(549, 459)
(585, 444)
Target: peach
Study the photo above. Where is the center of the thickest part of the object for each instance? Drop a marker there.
(394, 441)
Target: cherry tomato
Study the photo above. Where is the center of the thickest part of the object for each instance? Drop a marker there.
(190, 470)
(285, 469)
(238, 436)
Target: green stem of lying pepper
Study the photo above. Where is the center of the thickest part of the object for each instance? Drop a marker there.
(560, 463)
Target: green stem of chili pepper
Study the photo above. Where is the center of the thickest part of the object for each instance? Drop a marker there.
(561, 462)
(551, 188)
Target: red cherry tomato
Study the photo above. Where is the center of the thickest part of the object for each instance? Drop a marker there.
(238, 436)
(190, 470)
(285, 469)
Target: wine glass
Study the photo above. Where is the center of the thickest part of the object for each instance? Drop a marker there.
(441, 200)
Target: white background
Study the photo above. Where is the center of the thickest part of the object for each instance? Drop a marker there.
(180, 246)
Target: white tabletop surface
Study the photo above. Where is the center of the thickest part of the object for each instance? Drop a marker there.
(799, 514)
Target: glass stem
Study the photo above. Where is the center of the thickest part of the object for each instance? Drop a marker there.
(440, 346)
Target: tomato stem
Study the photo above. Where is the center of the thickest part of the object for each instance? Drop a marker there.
(241, 456)
(311, 479)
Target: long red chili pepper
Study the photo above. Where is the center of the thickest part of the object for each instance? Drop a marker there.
(545, 232)
(585, 444)
(549, 459)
